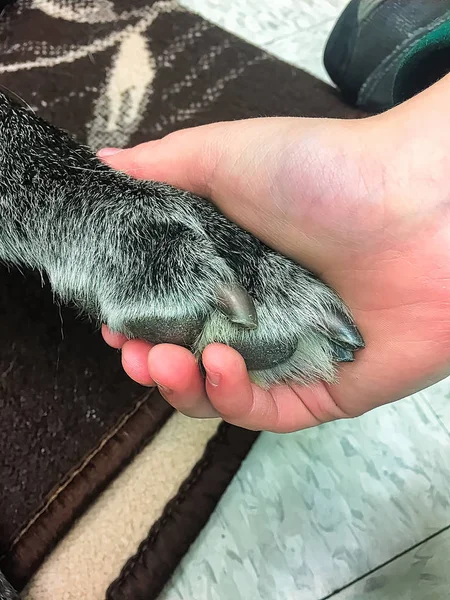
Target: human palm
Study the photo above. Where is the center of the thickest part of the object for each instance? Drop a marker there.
(360, 203)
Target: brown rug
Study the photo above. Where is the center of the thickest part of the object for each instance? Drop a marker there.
(113, 72)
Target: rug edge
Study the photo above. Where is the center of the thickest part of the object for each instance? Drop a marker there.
(44, 531)
(146, 573)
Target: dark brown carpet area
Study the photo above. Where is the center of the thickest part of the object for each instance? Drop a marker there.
(62, 391)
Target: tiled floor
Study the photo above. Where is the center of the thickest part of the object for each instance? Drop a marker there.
(293, 30)
(354, 509)
(420, 573)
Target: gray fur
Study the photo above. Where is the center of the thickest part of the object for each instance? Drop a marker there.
(152, 261)
(6, 590)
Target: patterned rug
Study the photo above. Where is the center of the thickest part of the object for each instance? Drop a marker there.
(103, 487)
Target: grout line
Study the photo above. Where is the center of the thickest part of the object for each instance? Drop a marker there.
(387, 562)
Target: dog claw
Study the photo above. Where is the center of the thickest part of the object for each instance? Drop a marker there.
(234, 302)
(344, 332)
(341, 354)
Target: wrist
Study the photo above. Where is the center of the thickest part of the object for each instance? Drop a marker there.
(411, 144)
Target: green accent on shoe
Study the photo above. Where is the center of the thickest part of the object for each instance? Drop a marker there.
(425, 63)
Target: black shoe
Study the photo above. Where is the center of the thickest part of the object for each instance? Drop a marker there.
(382, 52)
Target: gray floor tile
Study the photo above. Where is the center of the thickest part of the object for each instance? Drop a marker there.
(303, 24)
(420, 574)
(309, 512)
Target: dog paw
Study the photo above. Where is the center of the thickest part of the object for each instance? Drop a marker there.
(160, 264)
(157, 263)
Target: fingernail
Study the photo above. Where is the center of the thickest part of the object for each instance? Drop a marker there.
(163, 389)
(213, 378)
(104, 152)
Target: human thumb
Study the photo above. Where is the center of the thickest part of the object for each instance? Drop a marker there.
(184, 158)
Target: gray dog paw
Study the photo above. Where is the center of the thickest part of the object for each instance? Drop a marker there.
(163, 265)
(157, 263)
